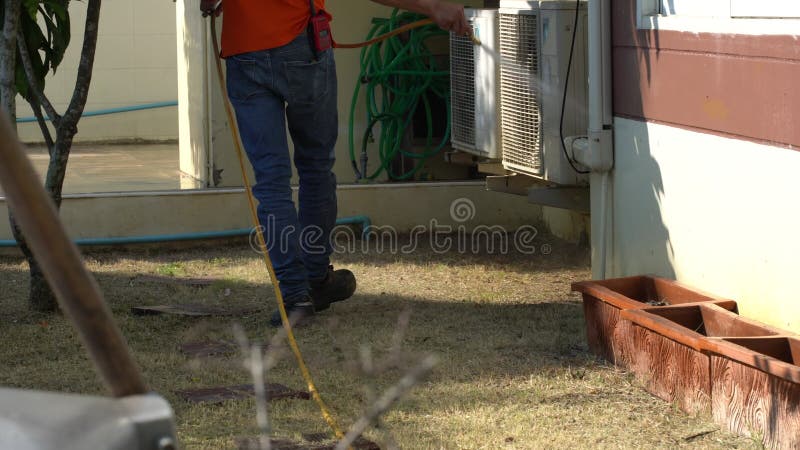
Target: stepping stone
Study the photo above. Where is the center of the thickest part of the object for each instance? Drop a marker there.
(220, 394)
(195, 310)
(285, 444)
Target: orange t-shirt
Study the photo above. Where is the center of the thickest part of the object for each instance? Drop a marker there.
(251, 25)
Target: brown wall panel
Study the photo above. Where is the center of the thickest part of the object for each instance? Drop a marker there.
(737, 85)
(625, 34)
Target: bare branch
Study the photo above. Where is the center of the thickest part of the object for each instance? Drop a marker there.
(395, 356)
(48, 138)
(68, 125)
(33, 84)
(387, 400)
(367, 367)
(253, 359)
(244, 343)
(85, 66)
(365, 355)
(262, 417)
(400, 332)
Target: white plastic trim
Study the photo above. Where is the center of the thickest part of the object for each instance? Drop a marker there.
(766, 17)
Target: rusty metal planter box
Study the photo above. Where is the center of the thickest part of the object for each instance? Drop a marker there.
(667, 349)
(755, 388)
(603, 300)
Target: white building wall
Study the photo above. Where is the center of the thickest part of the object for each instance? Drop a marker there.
(717, 213)
(136, 63)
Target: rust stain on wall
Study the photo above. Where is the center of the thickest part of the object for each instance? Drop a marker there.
(715, 108)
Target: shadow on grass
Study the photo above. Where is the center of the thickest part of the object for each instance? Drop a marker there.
(484, 336)
(474, 339)
(513, 362)
(544, 252)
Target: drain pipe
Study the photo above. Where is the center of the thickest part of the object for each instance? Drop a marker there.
(603, 232)
(597, 153)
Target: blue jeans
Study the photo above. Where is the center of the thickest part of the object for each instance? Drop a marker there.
(269, 89)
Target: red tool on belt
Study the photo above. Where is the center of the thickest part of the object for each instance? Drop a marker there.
(319, 30)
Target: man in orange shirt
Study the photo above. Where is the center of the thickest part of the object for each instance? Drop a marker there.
(278, 76)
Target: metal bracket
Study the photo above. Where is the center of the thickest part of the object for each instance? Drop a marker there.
(565, 197)
(541, 192)
(513, 184)
(492, 168)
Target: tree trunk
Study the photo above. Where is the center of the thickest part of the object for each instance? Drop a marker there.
(41, 297)
(68, 124)
(8, 58)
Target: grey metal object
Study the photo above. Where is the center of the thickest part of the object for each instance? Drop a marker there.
(43, 420)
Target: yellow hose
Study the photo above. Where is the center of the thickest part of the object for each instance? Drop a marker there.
(312, 388)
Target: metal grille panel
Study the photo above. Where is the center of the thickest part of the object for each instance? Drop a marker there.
(462, 89)
(520, 96)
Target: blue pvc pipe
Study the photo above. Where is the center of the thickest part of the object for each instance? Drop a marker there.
(364, 221)
(121, 109)
(356, 220)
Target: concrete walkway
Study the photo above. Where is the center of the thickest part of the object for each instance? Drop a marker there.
(115, 168)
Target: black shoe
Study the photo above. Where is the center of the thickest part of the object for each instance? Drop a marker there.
(297, 309)
(337, 285)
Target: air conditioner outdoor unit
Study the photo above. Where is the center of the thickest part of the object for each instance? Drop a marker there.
(535, 39)
(474, 87)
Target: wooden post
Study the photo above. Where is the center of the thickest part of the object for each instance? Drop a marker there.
(77, 291)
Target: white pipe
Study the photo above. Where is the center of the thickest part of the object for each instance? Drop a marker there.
(605, 26)
(208, 109)
(602, 250)
(600, 156)
(600, 113)
(595, 66)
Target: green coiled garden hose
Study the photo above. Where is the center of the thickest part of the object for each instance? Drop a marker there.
(398, 74)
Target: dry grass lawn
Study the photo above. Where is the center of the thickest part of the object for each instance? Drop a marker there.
(514, 370)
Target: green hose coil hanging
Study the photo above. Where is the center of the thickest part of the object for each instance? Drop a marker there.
(397, 76)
